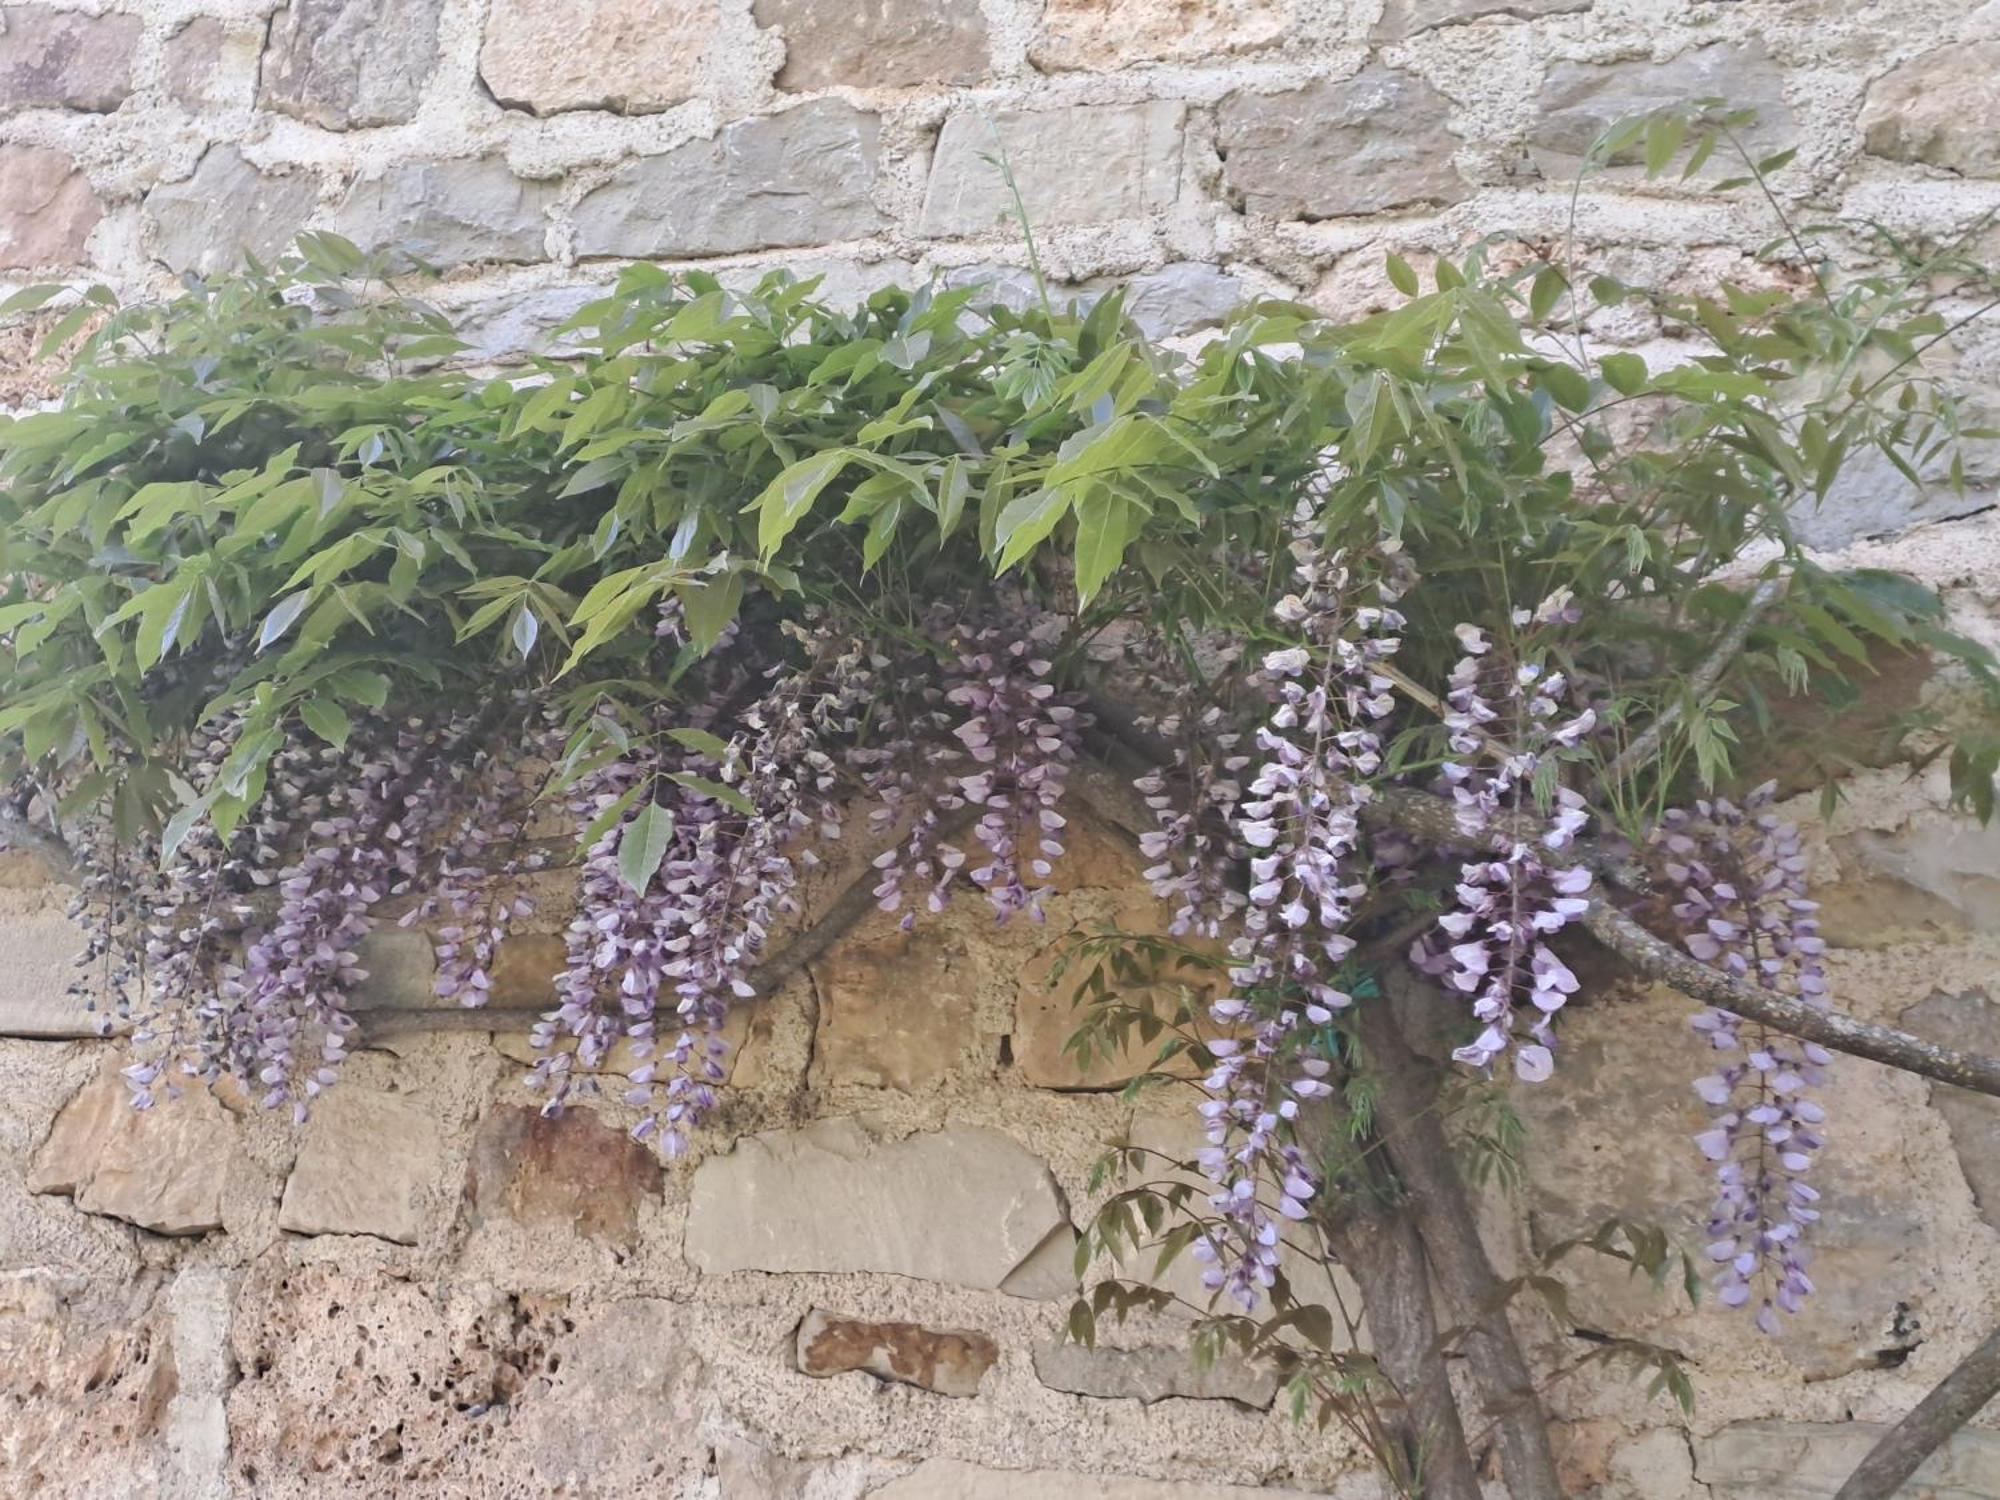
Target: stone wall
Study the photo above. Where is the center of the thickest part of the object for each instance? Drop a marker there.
(855, 1285)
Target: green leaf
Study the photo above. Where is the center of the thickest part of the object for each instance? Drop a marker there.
(1624, 373)
(609, 819)
(1026, 523)
(786, 500)
(702, 743)
(643, 846)
(282, 617)
(1544, 292)
(326, 719)
(31, 297)
(708, 606)
(525, 629)
(1106, 524)
(1402, 276)
(727, 795)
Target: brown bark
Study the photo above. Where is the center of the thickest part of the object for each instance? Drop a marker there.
(1955, 1400)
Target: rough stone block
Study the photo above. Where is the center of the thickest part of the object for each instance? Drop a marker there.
(1952, 862)
(1406, 18)
(1373, 142)
(965, 1205)
(47, 208)
(804, 177)
(1937, 110)
(161, 1168)
(634, 56)
(401, 965)
(952, 1479)
(61, 59)
(564, 1171)
(1102, 35)
(949, 1361)
(38, 951)
(449, 212)
(1970, 1022)
(367, 1158)
(1183, 297)
(349, 64)
(1147, 1375)
(1580, 100)
(193, 53)
(877, 44)
(1080, 165)
(895, 1012)
(228, 208)
(1811, 1460)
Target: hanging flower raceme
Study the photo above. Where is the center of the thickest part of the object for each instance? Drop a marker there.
(1504, 720)
(1740, 876)
(1195, 852)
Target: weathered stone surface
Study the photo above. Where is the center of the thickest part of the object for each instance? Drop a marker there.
(803, 177)
(58, 59)
(1937, 109)
(228, 208)
(1147, 1375)
(964, 1205)
(628, 55)
(1970, 1022)
(1372, 142)
(1080, 165)
(516, 323)
(1952, 861)
(1871, 497)
(560, 1171)
(47, 208)
(366, 1161)
(401, 965)
(951, 1479)
(449, 212)
(192, 55)
(1183, 297)
(1099, 35)
(1405, 18)
(1047, 1016)
(1579, 100)
(161, 1168)
(877, 44)
(347, 64)
(38, 950)
(894, 1012)
(949, 1361)
(1811, 1460)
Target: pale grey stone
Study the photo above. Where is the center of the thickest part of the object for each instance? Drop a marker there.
(965, 1205)
(59, 59)
(367, 1158)
(514, 324)
(803, 177)
(1405, 18)
(1872, 497)
(226, 209)
(1183, 297)
(1953, 861)
(953, 1479)
(877, 44)
(1081, 165)
(634, 56)
(1811, 1460)
(347, 64)
(1970, 1022)
(37, 962)
(1580, 100)
(401, 964)
(449, 212)
(1939, 109)
(1365, 144)
(1147, 1375)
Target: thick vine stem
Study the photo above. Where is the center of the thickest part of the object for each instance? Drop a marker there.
(1953, 1402)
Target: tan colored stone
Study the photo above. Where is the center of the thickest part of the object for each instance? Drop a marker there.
(60, 59)
(1080, 165)
(1406, 18)
(367, 1159)
(952, 1479)
(965, 1205)
(526, 968)
(1379, 140)
(1970, 1022)
(161, 1168)
(1937, 109)
(633, 56)
(877, 44)
(349, 64)
(192, 55)
(38, 952)
(65, 1160)
(1950, 862)
(47, 208)
(1811, 1460)
(1102, 35)
(567, 1170)
(894, 1012)
(1152, 1373)
(949, 1361)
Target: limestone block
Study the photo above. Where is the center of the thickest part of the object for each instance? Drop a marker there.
(1579, 100)
(567, 1171)
(1150, 1374)
(1970, 1022)
(949, 1361)
(401, 965)
(1406, 18)
(47, 208)
(965, 1205)
(894, 1012)
(348, 64)
(1811, 1460)
(60, 59)
(877, 44)
(1101, 35)
(1376, 141)
(161, 1168)
(227, 208)
(634, 56)
(192, 55)
(803, 177)
(367, 1158)
(951, 1479)
(512, 324)
(1181, 298)
(38, 951)
(1937, 109)
(449, 212)
(1080, 165)
(1951, 863)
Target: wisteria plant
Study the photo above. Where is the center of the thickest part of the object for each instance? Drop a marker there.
(1421, 666)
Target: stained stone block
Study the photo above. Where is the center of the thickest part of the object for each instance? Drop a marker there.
(63, 59)
(949, 1361)
(1580, 100)
(449, 212)
(877, 44)
(47, 208)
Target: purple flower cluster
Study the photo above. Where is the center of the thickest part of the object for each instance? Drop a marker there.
(1195, 855)
(1510, 902)
(1740, 877)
